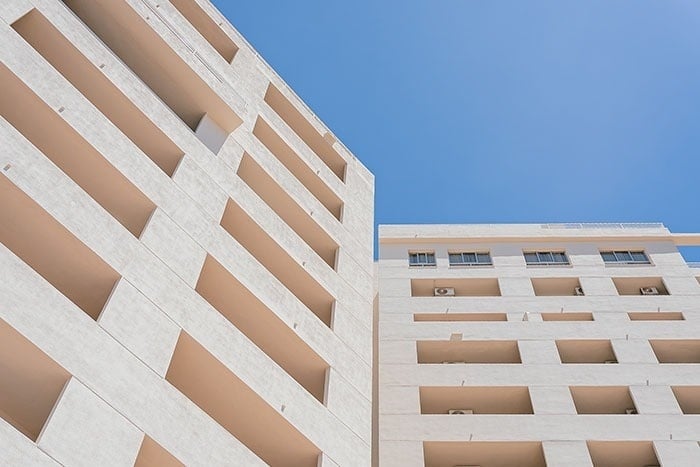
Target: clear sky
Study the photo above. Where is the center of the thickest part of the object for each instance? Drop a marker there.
(502, 111)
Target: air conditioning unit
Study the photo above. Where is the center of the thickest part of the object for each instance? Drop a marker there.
(649, 291)
(444, 291)
(578, 291)
(460, 411)
(610, 361)
(631, 411)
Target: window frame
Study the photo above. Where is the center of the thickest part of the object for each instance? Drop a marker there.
(464, 263)
(419, 264)
(630, 253)
(551, 262)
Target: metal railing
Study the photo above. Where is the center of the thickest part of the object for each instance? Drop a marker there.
(693, 264)
(605, 225)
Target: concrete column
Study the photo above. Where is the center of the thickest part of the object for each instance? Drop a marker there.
(633, 351)
(401, 453)
(83, 430)
(516, 287)
(552, 400)
(566, 454)
(140, 326)
(538, 352)
(654, 400)
(677, 453)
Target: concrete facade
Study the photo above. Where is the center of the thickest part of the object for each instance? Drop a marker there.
(186, 249)
(550, 358)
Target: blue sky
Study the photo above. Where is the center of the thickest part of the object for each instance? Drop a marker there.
(502, 111)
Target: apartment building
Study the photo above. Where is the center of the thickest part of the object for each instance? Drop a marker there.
(533, 345)
(186, 259)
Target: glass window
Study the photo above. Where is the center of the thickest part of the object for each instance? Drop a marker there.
(625, 257)
(469, 259)
(421, 259)
(546, 257)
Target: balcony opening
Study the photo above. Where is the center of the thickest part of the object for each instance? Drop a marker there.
(640, 286)
(262, 326)
(623, 453)
(466, 400)
(30, 385)
(291, 213)
(557, 286)
(568, 316)
(456, 351)
(276, 260)
(455, 288)
(207, 27)
(322, 146)
(150, 57)
(63, 146)
(655, 316)
(53, 252)
(208, 383)
(676, 350)
(299, 169)
(152, 454)
(483, 454)
(603, 400)
(586, 351)
(460, 317)
(99, 90)
(688, 398)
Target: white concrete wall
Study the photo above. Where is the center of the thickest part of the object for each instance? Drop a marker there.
(119, 362)
(555, 422)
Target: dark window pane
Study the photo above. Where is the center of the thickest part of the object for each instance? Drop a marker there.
(455, 258)
(639, 257)
(430, 258)
(531, 258)
(484, 258)
(545, 257)
(560, 258)
(608, 256)
(469, 258)
(623, 256)
(413, 258)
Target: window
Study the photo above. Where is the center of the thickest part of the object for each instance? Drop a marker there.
(546, 258)
(625, 257)
(421, 259)
(470, 259)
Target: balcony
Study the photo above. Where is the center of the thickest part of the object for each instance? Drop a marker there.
(647, 286)
(676, 350)
(453, 317)
(455, 287)
(557, 287)
(586, 351)
(603, 400)
(568, 316)
(483, 453)
(656, 316)
(457, 351)
(474, 400)
(622, 453)
(152, 453)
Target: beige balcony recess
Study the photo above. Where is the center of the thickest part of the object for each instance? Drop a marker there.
(676, 350)
(556, 286)
(220, 393)
(622, 453)
(688, 398)
(291, 160)
(462, 287)
(61, 144)
(321, 145)
(655, 316)
(603, 400)
(478, 399)
(30, 385)
(152, 454)
(634, 285)
(469, 351)
(52, 251)
(568, 316)
(483, 453)
(280, 342)
(586, 351)
(276, 260)
(99, 90)
(284, 206)
(206, 26)
(149, 56)
(435, 317)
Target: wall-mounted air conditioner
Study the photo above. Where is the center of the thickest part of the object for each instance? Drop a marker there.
(460, 411)
(610, 361)
(444, 291)
(578, 291)
(631, 411)
(649, 291)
